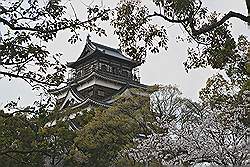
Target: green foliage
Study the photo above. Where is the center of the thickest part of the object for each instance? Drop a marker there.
(45, 137)
(228, 97)
(28, 26)
(29, 138)
(111, 130)
(216, 47)
(28, 135)
(18, 146)
(219, 90)
(211, 31)
(233, 90)
(135, 34)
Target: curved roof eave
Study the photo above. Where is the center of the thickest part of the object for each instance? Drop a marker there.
(58, 90)
(74, 95)
(89, 100)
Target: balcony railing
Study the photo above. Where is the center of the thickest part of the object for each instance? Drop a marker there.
(119, 74)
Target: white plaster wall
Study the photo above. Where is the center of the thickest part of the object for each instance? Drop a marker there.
(101, 83)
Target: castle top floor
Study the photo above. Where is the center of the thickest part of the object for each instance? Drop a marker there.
(105, 60)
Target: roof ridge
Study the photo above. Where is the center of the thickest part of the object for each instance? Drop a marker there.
(96, 49)
(108, 47)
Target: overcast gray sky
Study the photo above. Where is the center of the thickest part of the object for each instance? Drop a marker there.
(163, 68)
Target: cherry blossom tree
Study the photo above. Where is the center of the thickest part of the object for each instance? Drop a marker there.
(187, 134)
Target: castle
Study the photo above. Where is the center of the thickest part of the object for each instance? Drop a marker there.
(97, 76)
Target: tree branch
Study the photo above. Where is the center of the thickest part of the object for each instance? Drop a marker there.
(206, 28)
(166, 18)
(29, 78)
(210, 27)
(13, 27)
(3, 10)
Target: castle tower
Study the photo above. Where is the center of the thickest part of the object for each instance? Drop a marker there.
(99, 74)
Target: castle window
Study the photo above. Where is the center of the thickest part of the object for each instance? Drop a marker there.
(115, 70)
(91, 93)
(104, 67)
(100, 93)
(83, 71)
(79, 74)
(125, 73)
